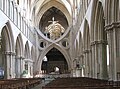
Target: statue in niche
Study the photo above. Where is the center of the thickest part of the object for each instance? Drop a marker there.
(55, 30)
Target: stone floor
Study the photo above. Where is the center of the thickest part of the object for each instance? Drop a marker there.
(38, 87)
(44, 82)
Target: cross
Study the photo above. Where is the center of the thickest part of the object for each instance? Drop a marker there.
(53, 20)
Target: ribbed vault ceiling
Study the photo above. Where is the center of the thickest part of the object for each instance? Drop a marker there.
(40, 3)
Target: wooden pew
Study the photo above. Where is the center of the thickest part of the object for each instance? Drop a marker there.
(82, 83)
(19, 83)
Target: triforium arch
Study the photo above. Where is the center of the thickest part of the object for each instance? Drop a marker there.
(19, 50)
(98, 41)
(86, 49)
(50, 4)
(40, 59)
(7, 51)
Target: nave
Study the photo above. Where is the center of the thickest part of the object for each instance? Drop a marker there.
(59, 83)
(46, 39)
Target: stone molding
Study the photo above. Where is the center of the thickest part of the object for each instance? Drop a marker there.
(87, 51)
(112, 25)
(9, 53)
(99, 42)
(19, 57)
(28, 60)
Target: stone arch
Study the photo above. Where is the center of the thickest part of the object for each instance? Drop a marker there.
(50, 4)
(80, 44)
(112, 15)
(7, 49)
(112, 18)
(98, 41)
(27, 51)
(19, 46)
(19, 56)
(86, 48)
(99, 22)
(86, 36)
(93, 15)
(7, 35)
(33, 53)
(28, 62)
(39, 61)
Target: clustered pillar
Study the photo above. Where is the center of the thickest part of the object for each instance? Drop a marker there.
(113, 36)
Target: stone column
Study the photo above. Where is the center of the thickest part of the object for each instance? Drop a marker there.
(99, 59)
(1, 60)
(74, 67)
(78, 68)
(82, 65)
(9, 65)
(19, 66)
(94, 59)
(113, 37)
(13, 65)
(30, 66)
(90, 62)
(86, 54)
(102, 59)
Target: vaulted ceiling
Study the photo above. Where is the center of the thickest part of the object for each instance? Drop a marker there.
(40, 3)
(39, 7)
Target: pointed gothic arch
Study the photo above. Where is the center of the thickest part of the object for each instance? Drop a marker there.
(112, 18)
(7, 49)
(80, 44)
(27, 51)
(98, 41)
(19, 46)
(19, 56)
(86, 49)
(42, 55)
(86, 36)
(7, 34)
(33, 53)
(50, 4)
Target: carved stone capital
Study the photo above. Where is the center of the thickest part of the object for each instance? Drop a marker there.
(87, 51)
(112, 25)
(9, 53)
(99, 42)
(81, 56)
(19, 57)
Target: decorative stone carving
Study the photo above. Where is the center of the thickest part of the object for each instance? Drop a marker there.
(113, 25)
(55, 30)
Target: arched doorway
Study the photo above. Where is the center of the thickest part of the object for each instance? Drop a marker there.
(53, 60)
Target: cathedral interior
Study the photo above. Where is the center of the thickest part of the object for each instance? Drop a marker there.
(75, 38)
